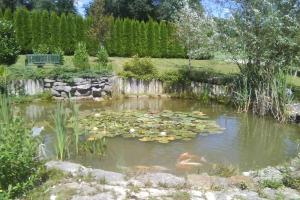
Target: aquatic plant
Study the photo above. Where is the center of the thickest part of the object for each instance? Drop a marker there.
(62, 140)
(74, 124)
(161, 127)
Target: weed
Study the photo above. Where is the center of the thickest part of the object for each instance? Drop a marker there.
(181, 196)
(273, 184)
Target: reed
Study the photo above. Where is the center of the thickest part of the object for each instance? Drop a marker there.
(62, 140)
(5, 109)
(75, 125)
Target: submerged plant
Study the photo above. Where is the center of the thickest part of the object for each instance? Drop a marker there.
(62, 140)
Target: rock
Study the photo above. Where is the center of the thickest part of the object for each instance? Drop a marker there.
(98, 99)
(210, 196)
(47, 85)
(158, 179)
(67, 167)
(269, 173)
(288, 193)
(269, 193)
(84, 87)
(295, 174)
(107, 88)
(239, 181)
(107, 177)
(64, 95)
(59, 84)
(55, 93)
(207, 182)
(46, 80)
(96, 92)
(99, 196)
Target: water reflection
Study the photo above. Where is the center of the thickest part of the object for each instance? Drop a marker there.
(247, 142)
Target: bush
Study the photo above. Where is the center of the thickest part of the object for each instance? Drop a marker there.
(19, 169)
(41, 49)
(102, 56)
(81, 56)
(59, 52)
(140, 68)
(9, 49)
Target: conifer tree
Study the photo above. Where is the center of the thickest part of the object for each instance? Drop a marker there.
(8, 15)
(1, 13)
(163, 39)
(80, 29)
(150, 38)
(171, 41)
(135, 37)
(114, 41)
(109, 38)
(63, 33)
(143, 39)
(156, 46)
(71, 35)
(54, 31)
(45, 33)
(128, 37)
(119, 36)
(23, 29)
(36, 28)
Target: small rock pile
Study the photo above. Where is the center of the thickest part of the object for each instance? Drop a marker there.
(80, 88)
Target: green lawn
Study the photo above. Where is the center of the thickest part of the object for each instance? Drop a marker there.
(165, 64)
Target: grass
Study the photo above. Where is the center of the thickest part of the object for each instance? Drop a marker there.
(217, 65)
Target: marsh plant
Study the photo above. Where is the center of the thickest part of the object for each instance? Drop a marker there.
(20, 169)
(75, 126)
(62, 139)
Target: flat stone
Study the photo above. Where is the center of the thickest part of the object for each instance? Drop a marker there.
(55, 93)
(288, 193)
(107, 88)
(64, 95)
(67, 167)
(100, 196)
(269, 173)
(46, 80)
(157, 179)
(84, 87)
(295, 174)
(207, 182)
(109, 177)
(59, 84)
(47, 85)
(99, 99)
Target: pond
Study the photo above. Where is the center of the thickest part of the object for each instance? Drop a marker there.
(246, 141)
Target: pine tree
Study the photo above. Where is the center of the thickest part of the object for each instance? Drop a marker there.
(1, 13)
(150, 38)
(63, 33)
(45, 32)
(128, 37)
(27, 30)
(163, 39)
(114, 34)
(156, 52)
(54, 31)
(18, 24)
(109, 38)
(36, 28)
(142, 39)
(171, 41)
(8, 15)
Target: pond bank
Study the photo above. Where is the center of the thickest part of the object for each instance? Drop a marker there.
(86, 183)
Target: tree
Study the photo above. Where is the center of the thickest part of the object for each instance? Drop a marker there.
(8, 15)
(150, 38)
(157, 50)
(1, 13)
(65, 6)
(9, 48)
(45, 29)
(81, 56)
(70, 34)
(120, 32)
(54, 31)
(36, 29)
(80, 29)
(23, 29)
(163, 39)
(63, 33)
(261, 38)
(195, 30)
(128, 37)
(143, 40)
(135, 36)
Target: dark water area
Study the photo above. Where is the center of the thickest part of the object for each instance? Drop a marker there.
(248, 142)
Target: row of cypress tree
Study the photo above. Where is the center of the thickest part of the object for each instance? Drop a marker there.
(48, 29)
(129, 37)
(125, 37)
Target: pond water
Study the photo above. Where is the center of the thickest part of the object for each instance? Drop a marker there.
(248, 142)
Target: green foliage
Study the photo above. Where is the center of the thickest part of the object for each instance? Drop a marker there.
(62, 139)
(41, 49)
(223, 170)
(63, 32)
(8, 15)
(142, 39)
(81, 56)
(23, 29)
(271, 184)
(36, 28)
(60, 52)
(140, 68)
(102, 56)
(128, 37)
(54, 31)
(70, 35)
(290, 182)
(150, 38)
(20, 170)
(9, 48)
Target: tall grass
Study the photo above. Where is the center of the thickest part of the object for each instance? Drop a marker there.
(75, 125)
(62, 140)
(5, 109)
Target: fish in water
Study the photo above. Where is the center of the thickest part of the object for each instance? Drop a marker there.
(187, 161)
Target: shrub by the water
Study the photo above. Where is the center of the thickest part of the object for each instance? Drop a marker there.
(141, 68)
(81, 56)
(41, 49)
(20, 168)
(9, 48)
(102, 56)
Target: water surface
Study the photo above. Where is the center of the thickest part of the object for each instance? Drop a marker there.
(248, 142)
